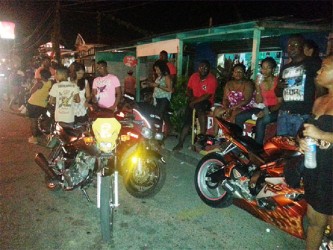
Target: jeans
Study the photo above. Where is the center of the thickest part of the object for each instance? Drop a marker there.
(288, 124)
(162, 107)
(261, 123)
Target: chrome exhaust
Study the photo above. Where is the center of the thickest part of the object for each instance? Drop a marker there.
(44, 165)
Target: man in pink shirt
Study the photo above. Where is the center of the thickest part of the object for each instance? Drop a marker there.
(106, 88)
(201, 90)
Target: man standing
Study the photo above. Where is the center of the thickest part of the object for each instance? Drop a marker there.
(297, 88)
(172, 68)
(46, 64)
(64, 94)
(106, 88)
(129, 83)
(201, 90)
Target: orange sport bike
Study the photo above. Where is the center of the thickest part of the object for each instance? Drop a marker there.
(254, 178)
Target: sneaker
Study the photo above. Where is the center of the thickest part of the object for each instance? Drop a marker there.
(20, 108)
(178, 147)
(33, 140)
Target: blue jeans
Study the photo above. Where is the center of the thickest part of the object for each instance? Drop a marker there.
(289, 124)
(261, 123)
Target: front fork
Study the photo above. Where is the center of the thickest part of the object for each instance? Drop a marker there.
(115, 190)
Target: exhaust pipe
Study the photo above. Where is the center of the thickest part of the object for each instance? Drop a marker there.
(44, 165)
(231, 189)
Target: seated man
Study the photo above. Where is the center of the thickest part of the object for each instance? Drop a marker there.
(201, 92)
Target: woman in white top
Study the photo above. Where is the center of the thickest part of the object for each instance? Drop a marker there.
(77, 71)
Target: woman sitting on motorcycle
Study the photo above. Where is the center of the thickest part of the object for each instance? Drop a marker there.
(238, 96)
(265, 86)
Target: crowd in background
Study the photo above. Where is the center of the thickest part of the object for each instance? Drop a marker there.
(286, 97)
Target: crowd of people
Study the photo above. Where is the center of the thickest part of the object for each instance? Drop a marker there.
(300, 95)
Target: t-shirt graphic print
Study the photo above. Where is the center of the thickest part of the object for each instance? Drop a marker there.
(295, 79)
(64, 93)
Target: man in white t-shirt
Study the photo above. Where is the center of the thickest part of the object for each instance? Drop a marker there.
(64, 94)
(106, 88)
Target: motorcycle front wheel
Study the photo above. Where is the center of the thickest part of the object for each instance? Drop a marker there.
(209, 175)
(145, 177)
(106, 207)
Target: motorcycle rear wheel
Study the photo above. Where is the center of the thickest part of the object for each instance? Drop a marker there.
(149, 182)
(106, 207)
(209, 191)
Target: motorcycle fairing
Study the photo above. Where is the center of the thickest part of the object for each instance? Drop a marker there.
(288, 211)
(106, 132)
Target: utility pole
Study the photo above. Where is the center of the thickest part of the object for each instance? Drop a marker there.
(56, 34)
(99, 18)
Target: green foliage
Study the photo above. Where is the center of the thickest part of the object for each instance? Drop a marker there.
(179, 102)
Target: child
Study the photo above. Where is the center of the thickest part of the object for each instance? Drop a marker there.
(64, 94)
(37, 102)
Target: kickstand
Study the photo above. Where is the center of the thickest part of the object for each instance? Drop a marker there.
(86, 194)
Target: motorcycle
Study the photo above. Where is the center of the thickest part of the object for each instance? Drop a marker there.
(253, 177)
(141, 165)
(81, 153)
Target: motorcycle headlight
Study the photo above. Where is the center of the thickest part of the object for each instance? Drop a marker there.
(106, 147)
(159, 136)
(146, 133)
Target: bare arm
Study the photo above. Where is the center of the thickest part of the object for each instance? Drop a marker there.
(94, 93)
(118, 97)
(37, 85)
(225, 100)
(168, 83)
(52, 100)
(88, 93)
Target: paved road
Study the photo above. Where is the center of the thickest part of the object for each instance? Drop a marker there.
(34, 218)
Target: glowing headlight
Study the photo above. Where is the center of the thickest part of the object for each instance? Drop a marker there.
(159, 136)
(106, 147)
(146, 133)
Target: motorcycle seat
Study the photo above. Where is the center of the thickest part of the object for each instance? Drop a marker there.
(72, 129)
(250, 144)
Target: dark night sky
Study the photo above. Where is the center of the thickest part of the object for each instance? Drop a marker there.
(124, 21)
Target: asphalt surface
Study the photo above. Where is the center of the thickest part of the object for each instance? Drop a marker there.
(32, 217)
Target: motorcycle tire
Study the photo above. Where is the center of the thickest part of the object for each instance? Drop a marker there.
(211, 193)
(106, 207)
(150, 182)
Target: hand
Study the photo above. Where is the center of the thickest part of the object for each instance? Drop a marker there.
(303, 146)
(112, 108)
(311, 131)
(260, 114)
(259, 80)
(282, 84)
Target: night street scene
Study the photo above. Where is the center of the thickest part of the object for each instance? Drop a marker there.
(166, 124)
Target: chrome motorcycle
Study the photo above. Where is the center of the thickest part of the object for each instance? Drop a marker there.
(80, 155)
